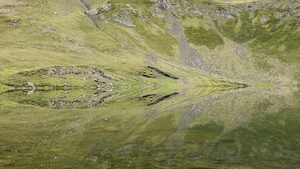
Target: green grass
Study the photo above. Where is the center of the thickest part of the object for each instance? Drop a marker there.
(46, 40)
(4, 88)
(268, 37)
(201, 36)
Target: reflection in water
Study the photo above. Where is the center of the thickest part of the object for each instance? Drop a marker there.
(202, 128)
(61, 99)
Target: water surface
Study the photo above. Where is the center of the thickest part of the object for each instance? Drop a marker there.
(151, 128)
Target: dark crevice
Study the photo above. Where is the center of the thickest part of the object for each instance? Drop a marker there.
(240, 84)
(163, 98)
(163, 73)
(86, 5)
(148, 96)
(96, 24)
(148, 76)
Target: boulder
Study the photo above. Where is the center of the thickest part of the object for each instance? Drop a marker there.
(105, 8)
(98, 10)
(30, 84)
(264, 19)
(92, 12)
(51, 72)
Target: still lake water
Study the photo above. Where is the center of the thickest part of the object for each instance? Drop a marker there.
(152, 128)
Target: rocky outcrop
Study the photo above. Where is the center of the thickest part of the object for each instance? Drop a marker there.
(92, 12)
(235, 9)
(222, 12)
(98, 10)
(63, 76)
(130, 9)
(279, 15)
(122, 18)
(158, 12)
(176, 10)
(251, 7)
(264, 19)
(194, 12)
(30, 84)
(295, 12)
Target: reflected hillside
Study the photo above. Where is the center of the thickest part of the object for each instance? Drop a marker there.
(61, 99)
(199, 127)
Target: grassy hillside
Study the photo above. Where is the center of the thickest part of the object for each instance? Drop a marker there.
(193, 40)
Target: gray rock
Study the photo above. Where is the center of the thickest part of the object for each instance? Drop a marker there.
(158, 12)
(159, 15)
(240, 52)
(235, 9)
(92, 12)
(280, 15)
(102, 17)
(30, 84)
(251, 7)
(143, 17)
(163, 6)
(62, 71)
(30, 92)
(14, 21)
(51, 72)
(264, 19)
(92, 158)
(104, 8)
(111, 77)
(122, 19)
(98, 78)
(222, 12)
(107, 7)
(284, 6)
(295, 12)
(195, 12)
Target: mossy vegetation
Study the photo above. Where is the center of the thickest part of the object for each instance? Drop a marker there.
(268, 38)
(200, 36)
(201, 134)
(4, 88)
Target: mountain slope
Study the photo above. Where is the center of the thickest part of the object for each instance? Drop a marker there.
(202, 42)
